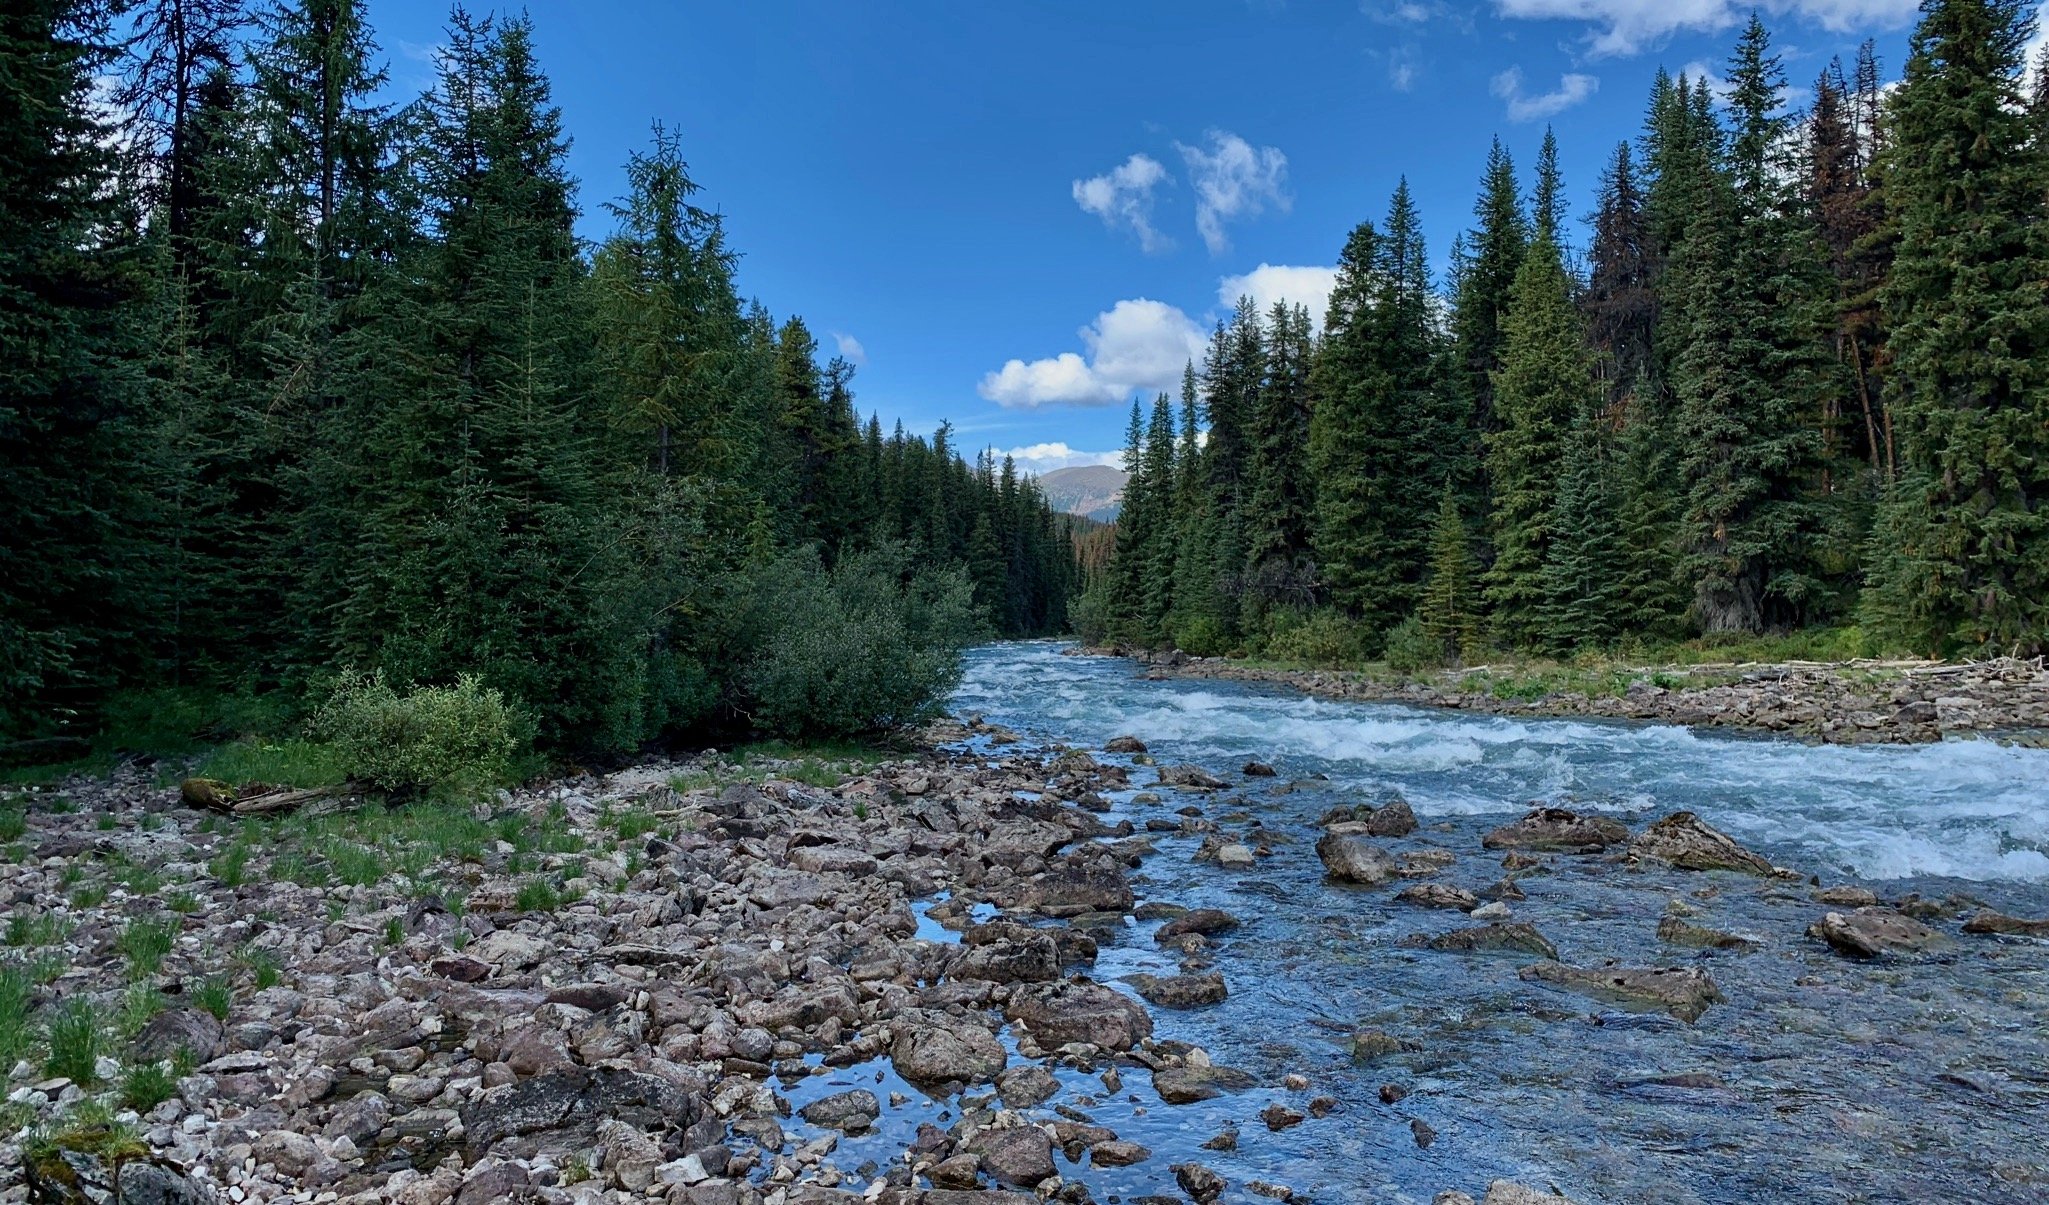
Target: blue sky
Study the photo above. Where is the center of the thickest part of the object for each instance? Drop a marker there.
(1017, 215)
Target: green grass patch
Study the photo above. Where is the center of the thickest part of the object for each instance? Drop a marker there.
(74, 1042)
(818, 764)
(146, 1086)
(215, 996)
(146, 943)
(537, 895)
(35, 932)
(294, 763)
(16, 1038)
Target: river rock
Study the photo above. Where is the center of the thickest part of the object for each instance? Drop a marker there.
(1026, 1086)
(1182, 991)
(1190, 777)
(1508, 1192)
(1020, 1156)
(1676, 932)
(1258, 769)
(1988, 921)
(1118, 1153)
(932, 1052)
(1124, 744)
(1351, 858)
(1186, 1085)
(1395, 819)
(1683, 992)
(1846, 896)
(1077, 1010)
(1200, 1183)
(1684, 841)
(1035, 959)
(1071, 890)
(852, 1111)
(1872, 932)
(1516, 937)
(1205, 921)
(1438, 895)
(1557, 828)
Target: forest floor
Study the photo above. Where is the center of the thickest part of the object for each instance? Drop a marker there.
(1839, 702)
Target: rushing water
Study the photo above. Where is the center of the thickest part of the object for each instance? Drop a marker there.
(1817, 1078)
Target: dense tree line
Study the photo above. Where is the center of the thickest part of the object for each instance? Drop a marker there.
(1798, 375)
(293, 379)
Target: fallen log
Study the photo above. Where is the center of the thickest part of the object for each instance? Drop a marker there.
(258, 799)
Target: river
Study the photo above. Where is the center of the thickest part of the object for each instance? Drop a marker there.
(1817, 1078)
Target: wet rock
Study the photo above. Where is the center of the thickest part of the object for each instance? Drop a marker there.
(1351, 858)
(852, 1111)
(932, 1053)
(187, 1030)
(1236, 856)
(1684, 992)
(1278, 1116)
(1371, 1045)
(960, 1171)
(1508, 1192)
(1422, 863)
(1036, 959)
(1515, 937)
(1079, 1011)
(1684, 841)
(1124, 744)
(1190, 777)
(1421, 1131)
(1074, 890)
(1846, 896)
(1392, 1093)
(1258, 769)
(1871, 933)
(1394, 819)
(1676, 932)
(1186, 1085)
(1020, 1156)
(1024, 1087)
(1988, 921)
(1182, 991)
(1200, 1183)
(1438, 895)
(1557, 828)
(1118, 1153)
(1205, 921)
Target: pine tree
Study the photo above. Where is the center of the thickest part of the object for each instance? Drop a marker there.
(1277, 506)
(1495, 251)
(1966, 558)
(1583, 580)
(1545, 382)
(1450, 607)
(1621, 305)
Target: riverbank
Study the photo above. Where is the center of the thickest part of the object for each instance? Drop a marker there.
(709, 984)
(1848, 703)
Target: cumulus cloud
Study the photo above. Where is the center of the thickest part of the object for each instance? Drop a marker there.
(1268, 283)
(1137, 344)
(1624, 27)
(1233, 179)
(850, 348)
(1046, 457)
(1123, 198)
(1572, 89)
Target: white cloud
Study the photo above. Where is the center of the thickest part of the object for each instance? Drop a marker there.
(1233, 179)
(1044, 458)
(1269, 283)
(2040, 41)
(850, 348)
(1123, 197)
(1627, 26)
(1137, 344)
(1572, 89)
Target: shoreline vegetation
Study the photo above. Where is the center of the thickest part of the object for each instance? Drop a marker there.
(1850, 702)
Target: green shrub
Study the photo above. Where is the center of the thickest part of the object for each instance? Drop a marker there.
(145, 1087)
(867, 646)
(536, 895)
(215, 996)
(1410, 648)
(1201, 636)
(1315, 638)
(13, 823)
(448, 738)
(147, 943)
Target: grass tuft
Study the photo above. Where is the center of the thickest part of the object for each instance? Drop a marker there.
(146, 944)
(75, 1042)
(537, 895)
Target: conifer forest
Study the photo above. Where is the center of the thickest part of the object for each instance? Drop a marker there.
(1793, 372)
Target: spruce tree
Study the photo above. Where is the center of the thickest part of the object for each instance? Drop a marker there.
(1494, 254)
(1450, 607)
(1583, 579)
(1276, 505)
(1964, 553)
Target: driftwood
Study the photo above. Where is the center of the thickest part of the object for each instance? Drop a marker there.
(258, 799)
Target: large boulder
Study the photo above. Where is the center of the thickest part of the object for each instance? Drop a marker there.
(1351, 858)
(1019, 1156)
(1182, 991)
(1077, 1010)
(1685, 992)
(1682, 840)
(1071, 890)
(187, 1030)
(935, 1050)
(1512, 937)
(1557, 828)
(1873, 932)
(1190, 778)
(1034, 959)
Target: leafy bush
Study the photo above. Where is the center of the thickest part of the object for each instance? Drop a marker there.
(867, 646)
(1201, 636)
(1410, 648)
(1092, 615)
(1314, 638)
(432, 738)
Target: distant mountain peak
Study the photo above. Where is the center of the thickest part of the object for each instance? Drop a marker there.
(1093, 490)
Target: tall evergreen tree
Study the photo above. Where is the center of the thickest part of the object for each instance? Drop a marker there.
(1964, 553)
(1495, 250)
(1277, 503)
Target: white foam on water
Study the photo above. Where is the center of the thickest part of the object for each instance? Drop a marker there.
(1964, 809)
